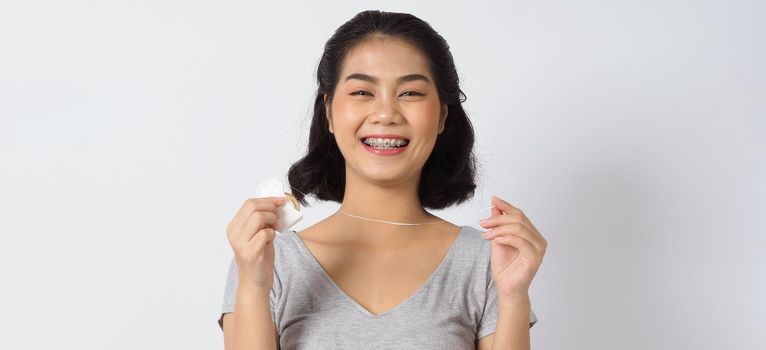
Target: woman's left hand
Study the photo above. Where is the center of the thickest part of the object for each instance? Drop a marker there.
(517, 250)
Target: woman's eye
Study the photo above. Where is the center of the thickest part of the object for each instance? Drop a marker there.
(412, 93)
(360, 93)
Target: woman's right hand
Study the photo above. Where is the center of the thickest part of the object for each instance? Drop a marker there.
(250, 234)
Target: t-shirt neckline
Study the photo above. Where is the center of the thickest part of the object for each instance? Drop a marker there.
(315, 264)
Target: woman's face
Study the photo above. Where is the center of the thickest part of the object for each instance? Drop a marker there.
(385, 113)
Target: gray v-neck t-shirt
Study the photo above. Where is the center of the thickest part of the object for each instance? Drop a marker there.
(456, 306)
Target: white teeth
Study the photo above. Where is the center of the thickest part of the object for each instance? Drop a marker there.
(385, 143)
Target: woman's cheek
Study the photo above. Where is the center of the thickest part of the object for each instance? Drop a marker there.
(428, 126)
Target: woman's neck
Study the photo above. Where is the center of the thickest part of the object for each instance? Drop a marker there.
(397, 203)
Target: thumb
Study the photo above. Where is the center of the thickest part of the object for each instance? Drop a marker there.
(495, 211)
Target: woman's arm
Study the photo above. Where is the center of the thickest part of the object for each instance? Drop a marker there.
(251, 235)
(516, 253)
(251, 326)
(512, 330)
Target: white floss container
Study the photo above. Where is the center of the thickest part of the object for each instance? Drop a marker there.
(289, 213)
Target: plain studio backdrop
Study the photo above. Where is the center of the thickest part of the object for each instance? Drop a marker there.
(630, 132)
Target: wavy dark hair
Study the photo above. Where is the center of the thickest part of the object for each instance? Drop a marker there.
(448, 176)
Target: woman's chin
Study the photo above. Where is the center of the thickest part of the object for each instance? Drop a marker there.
(383, 173)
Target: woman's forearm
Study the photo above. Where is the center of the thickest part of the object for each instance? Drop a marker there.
(512, 329)
(253, 327)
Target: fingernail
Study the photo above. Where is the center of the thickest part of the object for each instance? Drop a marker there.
(483, 221)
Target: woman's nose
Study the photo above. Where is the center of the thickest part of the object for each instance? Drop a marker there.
(385, 111)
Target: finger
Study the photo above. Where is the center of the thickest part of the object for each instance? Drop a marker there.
(520, 230)
(247, 208)
(257, 221)
(504, 206)
(496, 225)
(524, 246)
(503, 219)
(252, 204)
(262, 238)
(495, 211)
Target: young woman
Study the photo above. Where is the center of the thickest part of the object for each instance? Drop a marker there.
(388, 140)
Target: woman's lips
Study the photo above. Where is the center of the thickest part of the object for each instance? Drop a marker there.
(384, 152)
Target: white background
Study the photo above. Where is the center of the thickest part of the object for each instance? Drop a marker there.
(630, 132)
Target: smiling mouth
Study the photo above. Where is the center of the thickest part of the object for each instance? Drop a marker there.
(385, 143)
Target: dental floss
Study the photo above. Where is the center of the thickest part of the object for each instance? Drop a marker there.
(390, 222)
(399, 223)
(384, 221)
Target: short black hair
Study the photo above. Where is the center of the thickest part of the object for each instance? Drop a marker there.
(448, 176)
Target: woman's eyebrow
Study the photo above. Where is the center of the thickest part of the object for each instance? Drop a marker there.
(374, 80)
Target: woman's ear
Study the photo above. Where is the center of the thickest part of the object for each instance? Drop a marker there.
(327, 113)
(443, 117)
